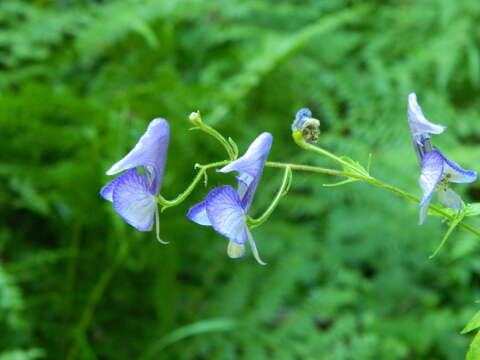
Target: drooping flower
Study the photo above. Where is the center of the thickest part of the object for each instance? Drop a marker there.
(437, 172)
(225, 209)
(133, 194)
(420, 127)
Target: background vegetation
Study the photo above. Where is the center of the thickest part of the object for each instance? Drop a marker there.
(348, 274)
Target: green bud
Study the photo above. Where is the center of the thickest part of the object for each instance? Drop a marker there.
(195, 118)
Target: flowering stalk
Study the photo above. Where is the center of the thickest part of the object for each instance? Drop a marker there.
(229, 144)
(372, 181)
(181, 197)
(298, 138)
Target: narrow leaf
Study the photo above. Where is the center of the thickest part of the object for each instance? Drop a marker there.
(344, 182)
(474, 349)
(453, 225)
(473, 324)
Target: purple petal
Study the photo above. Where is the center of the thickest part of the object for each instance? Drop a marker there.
(149, 152)
(198, 214)
(457, 174)
(226, 214)
(244, 182)
(300, 119)
(420, 127)
(133, 201)
(432, 171)
(449, 198)
(250, 165)
(107, 190)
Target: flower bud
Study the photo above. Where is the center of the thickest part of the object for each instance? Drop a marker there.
(308, 127)
(195, 118)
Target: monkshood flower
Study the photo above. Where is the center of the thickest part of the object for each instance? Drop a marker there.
(133, 194)
(437, 172)
(225, 209)
(420, 127)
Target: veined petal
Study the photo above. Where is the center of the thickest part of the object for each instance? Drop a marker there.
(107, 190)
(226, 214)
(133, 201)
(449, 198)
(456, 173)
(253, 159)
(432, 171)
(150, 152)
(423, 212)
(198, 214)
(420, 127)
(251, 164)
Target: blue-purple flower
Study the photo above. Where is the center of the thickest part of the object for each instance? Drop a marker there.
(437, 172)
(134, 194)
(225, 209)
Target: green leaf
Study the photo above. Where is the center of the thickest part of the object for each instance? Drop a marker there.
(234, 146)
(451, 212)
(453, 224)
(359, 167)
(474, 349)
(344, 182)
(201, 327)
(473, 324)
(472, 209)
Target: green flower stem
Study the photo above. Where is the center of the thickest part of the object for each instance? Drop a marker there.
(372, 181)
(196, 119)
(287, 178)
(297, 137)
(202, 172)
(298, 167)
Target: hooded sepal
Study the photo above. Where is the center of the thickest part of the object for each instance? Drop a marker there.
(149, 152)
(420, 127)
(250, 167)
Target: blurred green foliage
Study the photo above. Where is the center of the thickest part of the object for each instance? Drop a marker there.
(348, 274)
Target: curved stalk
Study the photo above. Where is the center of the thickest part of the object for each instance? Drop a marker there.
(181, 197)
(287, 178)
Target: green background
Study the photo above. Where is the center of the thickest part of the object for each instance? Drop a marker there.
(348, 273)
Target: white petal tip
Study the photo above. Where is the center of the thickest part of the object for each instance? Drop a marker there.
(235, 251)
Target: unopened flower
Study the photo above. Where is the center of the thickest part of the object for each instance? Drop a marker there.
(308, 127)
(225, 209)
(437, 173)
(133, 194)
